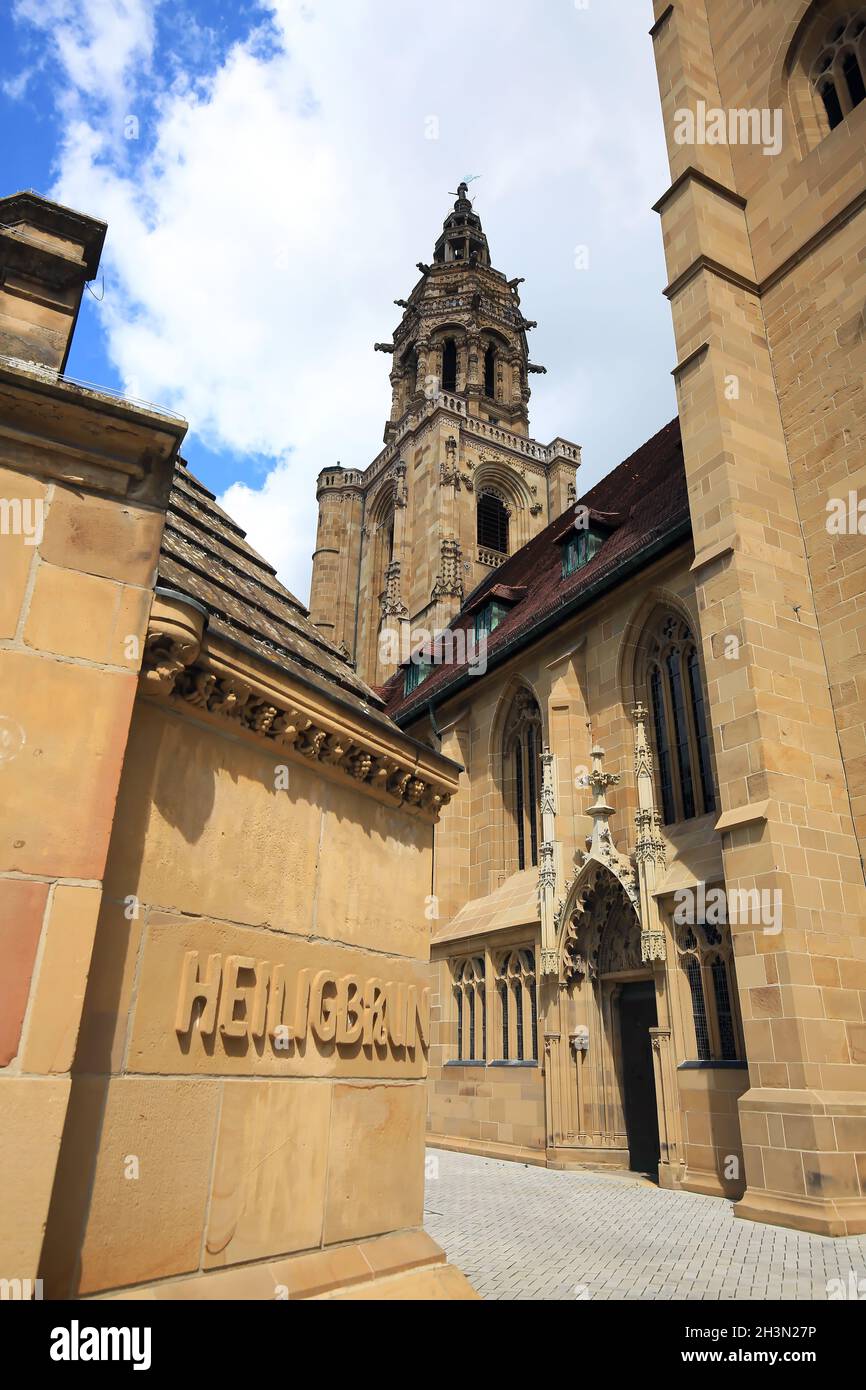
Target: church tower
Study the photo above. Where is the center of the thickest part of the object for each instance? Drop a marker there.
(460, 484)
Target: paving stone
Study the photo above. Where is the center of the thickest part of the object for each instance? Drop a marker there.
(533, 1233)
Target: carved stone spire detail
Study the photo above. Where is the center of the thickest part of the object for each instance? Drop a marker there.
(547, 866)
(649, 844)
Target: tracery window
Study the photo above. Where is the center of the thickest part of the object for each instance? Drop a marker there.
(470, 1004)
(517, 1002)
(707, 963)
(680, 728)
(492, 520)
(838, 73)
(522, 768)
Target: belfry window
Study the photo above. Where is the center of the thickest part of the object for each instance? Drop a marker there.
(522, 778)
(492, 522)
(838, 73)
(675, 695)
(490, 373)
(449, 365)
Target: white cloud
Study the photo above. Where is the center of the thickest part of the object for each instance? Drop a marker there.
(277, 203)
(98, 42)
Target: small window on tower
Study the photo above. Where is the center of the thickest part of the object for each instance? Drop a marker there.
(490, 373)
(449, 365)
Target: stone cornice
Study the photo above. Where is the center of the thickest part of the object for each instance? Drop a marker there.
(694, 175)
(528, 450)
(55, 428)
(301, 724)
(760, 288)
(677, 371)
(723, 272)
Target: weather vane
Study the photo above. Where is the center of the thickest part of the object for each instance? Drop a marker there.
(463, 186)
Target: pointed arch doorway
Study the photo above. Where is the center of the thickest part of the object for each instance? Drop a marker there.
(637, 1016)
(608, 1022)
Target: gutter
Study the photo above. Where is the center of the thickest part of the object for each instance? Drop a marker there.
(574, 605)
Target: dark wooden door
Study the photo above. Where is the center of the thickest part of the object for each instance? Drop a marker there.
(637, 1012)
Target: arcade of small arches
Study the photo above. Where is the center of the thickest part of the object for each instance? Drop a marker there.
(454, 359)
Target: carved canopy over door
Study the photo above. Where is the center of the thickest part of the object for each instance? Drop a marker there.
(602, 931)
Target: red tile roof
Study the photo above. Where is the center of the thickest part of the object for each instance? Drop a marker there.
(646, 499)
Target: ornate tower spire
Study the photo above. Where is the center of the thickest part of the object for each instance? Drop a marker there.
(458, 486)
(462, 236)
(462, 332)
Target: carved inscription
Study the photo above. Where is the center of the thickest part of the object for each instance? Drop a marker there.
(216, 999)
(343, 1009)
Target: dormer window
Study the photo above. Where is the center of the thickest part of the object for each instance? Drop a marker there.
(579, 549)
(489, 617)
(414, 674)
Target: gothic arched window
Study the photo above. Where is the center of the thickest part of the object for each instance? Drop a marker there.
(522, 781)
(490, 373)
(838, 73)
(449, 365)
(707, 962)
(492, 522)
(518, 1005)
(675, 695)
(470, 1003)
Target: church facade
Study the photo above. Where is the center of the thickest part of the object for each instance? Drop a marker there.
(649, 920)
(546, 820)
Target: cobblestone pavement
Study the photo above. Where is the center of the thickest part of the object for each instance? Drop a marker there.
(518, 1231)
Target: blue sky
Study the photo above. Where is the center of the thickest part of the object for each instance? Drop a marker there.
(272, 172)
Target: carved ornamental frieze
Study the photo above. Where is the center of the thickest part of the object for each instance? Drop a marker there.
(176, 667)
